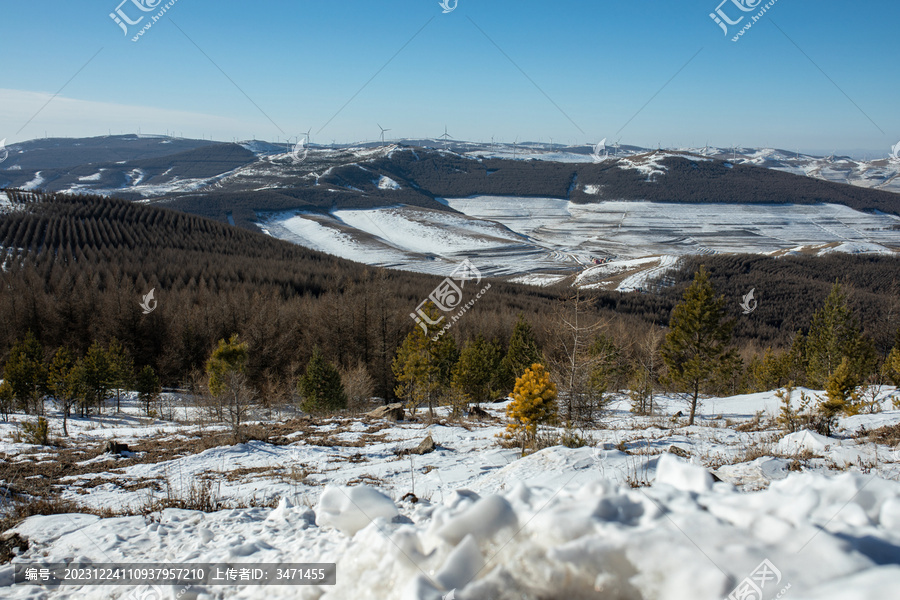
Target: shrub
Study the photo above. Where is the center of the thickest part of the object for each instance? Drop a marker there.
(37, 432)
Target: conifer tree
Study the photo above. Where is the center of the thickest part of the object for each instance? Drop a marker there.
(7, 399)
(65, 383)
(476, 373)
(534, 404)
(26, 373)
(148, 387)
(423, 365)
(96, 375)
(696, 347)
(121, 369)
(523, 351)
(769, 372)
(227, 373)
(834, 334)
(320, 387)
(841, 394)
(229, 357)
(892, 365)
(796, 367)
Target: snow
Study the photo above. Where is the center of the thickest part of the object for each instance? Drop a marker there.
(556, 523)
(386, 183)
(34, 183)
(95, 177)
(805, 440)
(351, 509)
(534, 239)
(671, 470)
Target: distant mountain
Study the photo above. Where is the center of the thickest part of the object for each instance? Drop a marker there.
(145, 167)
(423, 207)
(61, 153)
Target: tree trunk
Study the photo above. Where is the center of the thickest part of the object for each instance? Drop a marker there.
(694, 403)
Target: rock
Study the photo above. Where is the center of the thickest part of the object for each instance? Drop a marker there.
(479, 413)
(113, 447)
(425, 446)
(11, 545)
(678, 452)
(391, 412)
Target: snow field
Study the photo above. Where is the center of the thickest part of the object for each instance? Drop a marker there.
(521, 236)
(559, 523)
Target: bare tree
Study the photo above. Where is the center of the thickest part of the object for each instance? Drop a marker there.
(573, 330)
(236, 401)
(359, 387)
(648, 365)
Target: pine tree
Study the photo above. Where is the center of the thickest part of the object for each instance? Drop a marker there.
(769, 372)
(423, 366)
(796, 365)
(147, 386)
(65, 383)
(26, 374)
(7, 399)
(523, 352)
(696, 346)
(841, 394)
(320, 387)
(476, 373)
(892, 365)
(226, 370)
(534, 404)
(121, 369)
(97, 376)
(834, 335)
(228, 358)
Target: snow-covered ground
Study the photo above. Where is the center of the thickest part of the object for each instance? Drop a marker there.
(635, 241)
(621, 517)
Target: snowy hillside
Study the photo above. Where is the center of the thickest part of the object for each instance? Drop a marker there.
(623, 517)
(629, 242)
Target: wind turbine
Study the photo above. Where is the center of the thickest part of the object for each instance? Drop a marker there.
(383, 131)
(446, 136)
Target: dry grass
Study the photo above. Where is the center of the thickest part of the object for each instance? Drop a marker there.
(889, 435)
(759, 449)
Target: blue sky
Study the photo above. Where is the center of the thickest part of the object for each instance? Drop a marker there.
(596, 64)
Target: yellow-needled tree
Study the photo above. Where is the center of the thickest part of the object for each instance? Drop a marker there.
(534, 404)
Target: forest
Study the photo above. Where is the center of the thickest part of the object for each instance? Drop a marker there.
(75, 269)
